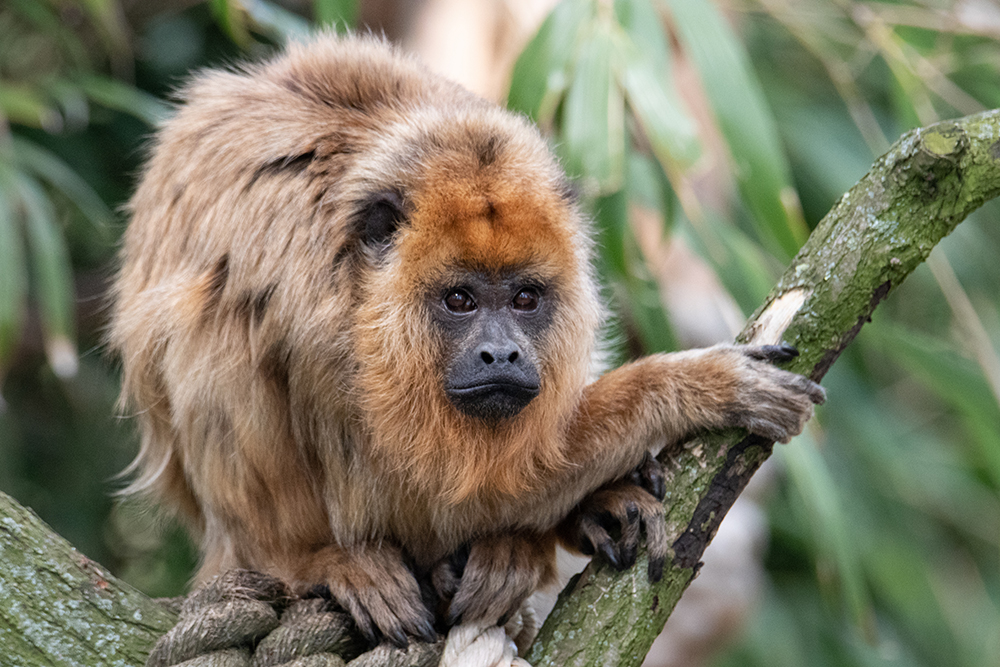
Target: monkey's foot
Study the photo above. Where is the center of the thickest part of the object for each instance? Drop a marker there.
(609, 521)
(378, 590)
(488, 581)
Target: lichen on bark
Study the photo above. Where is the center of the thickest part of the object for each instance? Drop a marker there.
(58, 607)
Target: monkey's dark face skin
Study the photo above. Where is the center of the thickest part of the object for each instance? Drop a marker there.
(490, 325)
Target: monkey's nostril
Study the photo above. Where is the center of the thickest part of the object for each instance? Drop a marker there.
(513, 357)
(487, 357)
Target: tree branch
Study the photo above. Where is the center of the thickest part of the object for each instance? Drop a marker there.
(914, 195)
(58, 607)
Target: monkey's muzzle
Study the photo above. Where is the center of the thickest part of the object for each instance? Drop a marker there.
(493, 401)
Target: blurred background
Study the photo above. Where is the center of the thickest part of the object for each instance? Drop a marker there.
(707, 138)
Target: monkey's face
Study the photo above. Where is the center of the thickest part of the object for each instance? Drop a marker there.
(476, 312)
(489, 323)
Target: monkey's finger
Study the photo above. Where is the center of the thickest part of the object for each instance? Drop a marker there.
(387, 624)
(772, 353)
(631, 524)
(650, 475)
(815, 392)
(595, 539)
(362, 619)
(398, 616)
(657, 543)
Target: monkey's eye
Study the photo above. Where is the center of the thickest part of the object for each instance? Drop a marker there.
(526, 300)
(459, 301)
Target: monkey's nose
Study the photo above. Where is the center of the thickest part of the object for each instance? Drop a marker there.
(492, 353)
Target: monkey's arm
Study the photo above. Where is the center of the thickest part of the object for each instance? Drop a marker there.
(724, 386)
(662, 398)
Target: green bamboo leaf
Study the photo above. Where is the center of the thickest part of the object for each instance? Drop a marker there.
(231, 17)
(56, 172)
(24, 105)
(649, 87)
(746, 122)
(341, 14)
(670, 131)
(52, 279)
(123, 97)
(835, 544)
(72, 102)
(276, 21)
(108, 17)
(955, 380)
(541, 73)
(636, 291)
(645, 29)
(13, 272)
(593, 119)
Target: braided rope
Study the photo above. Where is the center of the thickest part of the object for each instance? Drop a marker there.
(247, 619)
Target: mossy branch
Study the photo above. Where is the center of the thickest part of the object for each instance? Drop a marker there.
(58, 607)
(914, 195)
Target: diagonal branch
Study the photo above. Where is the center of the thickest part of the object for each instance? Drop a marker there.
(914, 195)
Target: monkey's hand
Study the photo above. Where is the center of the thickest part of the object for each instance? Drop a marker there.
(488, 580)
(609, 521)
(374, 584)
(768, 401)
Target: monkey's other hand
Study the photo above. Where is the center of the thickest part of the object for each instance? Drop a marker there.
(770, 402)
(488, 581)
(380, 592)
(609, 521)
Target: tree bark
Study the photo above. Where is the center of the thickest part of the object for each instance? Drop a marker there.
(58, 607)
(882, 229)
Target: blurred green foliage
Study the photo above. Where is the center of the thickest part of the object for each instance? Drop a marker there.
(885, 544)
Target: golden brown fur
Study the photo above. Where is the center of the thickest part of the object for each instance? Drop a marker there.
(285, 375)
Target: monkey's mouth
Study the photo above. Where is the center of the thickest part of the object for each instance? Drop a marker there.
(492, 401)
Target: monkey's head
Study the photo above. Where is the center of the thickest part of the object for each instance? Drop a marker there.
(479, 311)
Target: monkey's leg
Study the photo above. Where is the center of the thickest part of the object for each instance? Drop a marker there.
(375, 585)
(490, 579)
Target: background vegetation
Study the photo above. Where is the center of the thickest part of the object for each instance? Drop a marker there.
(724, 128)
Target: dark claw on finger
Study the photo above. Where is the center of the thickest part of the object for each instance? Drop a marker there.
(776, 353)
(425, 632)
(649, 476)
(655, 569)
(609, 554)
(398, 638)
(631, 512)
(629, 553)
